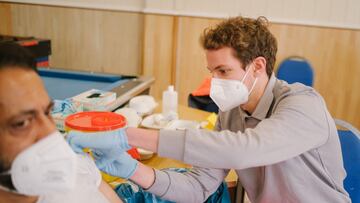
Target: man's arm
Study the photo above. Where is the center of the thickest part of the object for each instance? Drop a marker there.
(87, 166)
(144, 176)
(109, 193)
(195, 185)
(299, 124)
(143, 138)
(198, 183)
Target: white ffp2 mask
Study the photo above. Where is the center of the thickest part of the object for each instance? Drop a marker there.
(47, 167)
(228, 94)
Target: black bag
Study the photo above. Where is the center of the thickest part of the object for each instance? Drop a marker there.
(204, 103)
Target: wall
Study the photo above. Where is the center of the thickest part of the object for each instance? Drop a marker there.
(159, 53)
(5, 19)
(167, 47)
(82, 39)
(330, 13)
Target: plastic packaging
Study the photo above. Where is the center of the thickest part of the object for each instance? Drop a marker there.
(170, 103)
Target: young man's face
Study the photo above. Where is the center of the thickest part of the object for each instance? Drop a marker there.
(24, 113)
(223, 64)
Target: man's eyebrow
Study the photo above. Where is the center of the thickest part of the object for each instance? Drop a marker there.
(25, 112)
(216, 68)
(33, 112)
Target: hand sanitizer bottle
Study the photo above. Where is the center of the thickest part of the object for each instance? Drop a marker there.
(170, 103)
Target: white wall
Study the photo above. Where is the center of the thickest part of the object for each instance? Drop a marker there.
(124, 5)
(330, 13)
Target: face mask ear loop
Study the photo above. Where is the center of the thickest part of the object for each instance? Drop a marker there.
(253, 86)
(246, 73)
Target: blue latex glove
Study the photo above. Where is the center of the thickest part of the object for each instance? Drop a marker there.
(124, 166)
(110, 143)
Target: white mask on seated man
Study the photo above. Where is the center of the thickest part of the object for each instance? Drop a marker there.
(46, 167)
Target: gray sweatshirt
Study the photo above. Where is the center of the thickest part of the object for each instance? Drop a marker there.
(288, 150)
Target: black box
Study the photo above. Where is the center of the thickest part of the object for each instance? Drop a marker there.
(39, 47)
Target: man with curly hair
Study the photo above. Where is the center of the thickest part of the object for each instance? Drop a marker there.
(280, 138)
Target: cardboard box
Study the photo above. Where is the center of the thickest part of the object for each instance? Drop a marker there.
(95, 100)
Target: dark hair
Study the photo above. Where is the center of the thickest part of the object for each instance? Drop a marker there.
(250, 38)
(14, 55)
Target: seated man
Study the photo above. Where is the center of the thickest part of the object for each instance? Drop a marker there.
(36, 164)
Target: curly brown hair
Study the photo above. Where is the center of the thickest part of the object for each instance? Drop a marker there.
(250, 38)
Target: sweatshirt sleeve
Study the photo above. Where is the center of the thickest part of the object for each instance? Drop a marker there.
(195, 185)
(298, 124)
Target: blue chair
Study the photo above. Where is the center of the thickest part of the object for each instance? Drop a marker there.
(350, 146)
(296, 69)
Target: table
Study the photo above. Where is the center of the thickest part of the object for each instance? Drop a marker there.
(185, 113)
(62, 84)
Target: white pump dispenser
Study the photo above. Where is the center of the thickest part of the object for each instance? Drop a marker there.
(170, 103)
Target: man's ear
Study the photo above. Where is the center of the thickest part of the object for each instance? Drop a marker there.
(259, 66)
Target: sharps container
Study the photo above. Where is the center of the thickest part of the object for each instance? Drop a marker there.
(98, 122)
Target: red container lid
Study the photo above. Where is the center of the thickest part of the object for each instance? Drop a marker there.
(95, 121)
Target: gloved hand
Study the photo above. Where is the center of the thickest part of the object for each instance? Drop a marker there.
(110, 143)
(124, 166)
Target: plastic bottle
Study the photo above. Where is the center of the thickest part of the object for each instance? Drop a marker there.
(170, 103)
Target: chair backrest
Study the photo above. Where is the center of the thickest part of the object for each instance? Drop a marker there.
(296, 69)
(350, 146)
